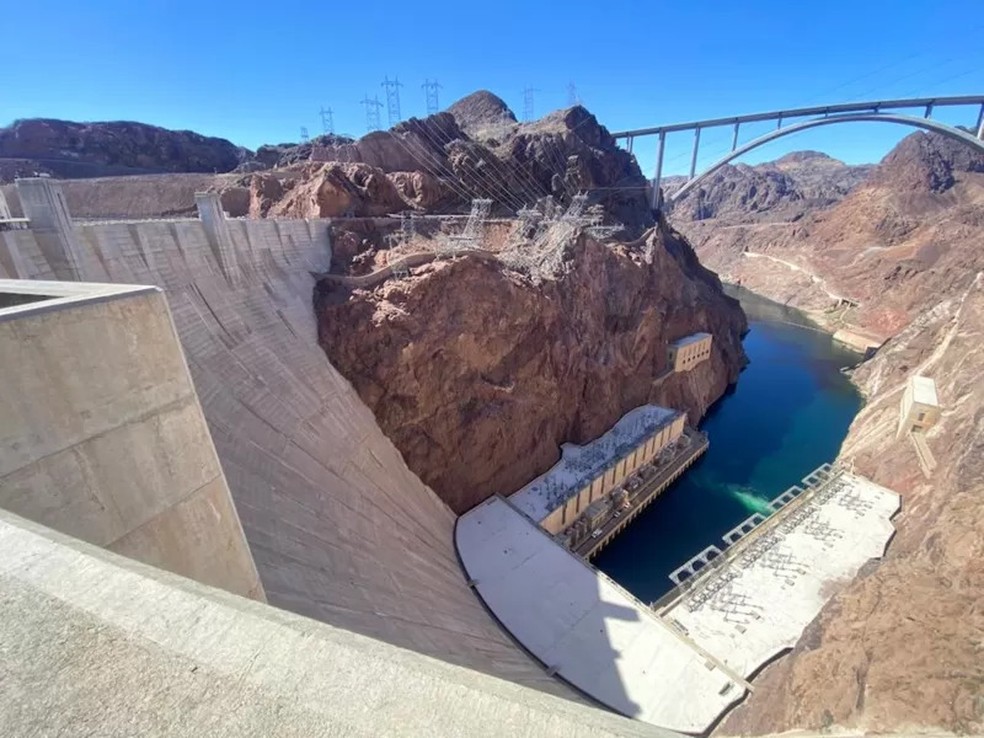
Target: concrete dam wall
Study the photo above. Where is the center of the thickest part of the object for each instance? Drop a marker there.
(338, 526)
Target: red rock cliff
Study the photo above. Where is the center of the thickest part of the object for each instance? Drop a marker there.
(478, 374)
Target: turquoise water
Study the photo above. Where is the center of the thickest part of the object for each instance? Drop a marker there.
(788, 414)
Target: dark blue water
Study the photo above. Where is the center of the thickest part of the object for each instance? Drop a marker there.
(788, 414)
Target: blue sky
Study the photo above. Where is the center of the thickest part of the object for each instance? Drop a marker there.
(254, 72)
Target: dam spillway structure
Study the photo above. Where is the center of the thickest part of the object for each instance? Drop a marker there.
(288, 493)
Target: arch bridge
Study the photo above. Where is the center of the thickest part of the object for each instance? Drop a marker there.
(803, 119)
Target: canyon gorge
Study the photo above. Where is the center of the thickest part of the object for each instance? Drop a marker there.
(477, 366)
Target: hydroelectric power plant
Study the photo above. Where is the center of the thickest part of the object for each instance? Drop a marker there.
(214, 441)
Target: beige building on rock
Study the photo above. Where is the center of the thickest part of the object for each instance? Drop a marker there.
(920, 408)
(689, 351)
(590, 473)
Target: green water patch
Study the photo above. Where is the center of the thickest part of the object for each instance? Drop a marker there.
(750, 499)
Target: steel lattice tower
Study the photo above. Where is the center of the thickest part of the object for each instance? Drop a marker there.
(528, 104)
(372, 112)
(304, 135)
(392, 88)
(327, 120)
(430, 91)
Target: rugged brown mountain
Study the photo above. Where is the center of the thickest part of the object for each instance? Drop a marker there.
(69, 150)
(784, 189)
(900, 647)
(894, 243)
(478, 370)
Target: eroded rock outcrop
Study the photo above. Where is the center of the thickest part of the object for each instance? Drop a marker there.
(325, 191)
(477, 374)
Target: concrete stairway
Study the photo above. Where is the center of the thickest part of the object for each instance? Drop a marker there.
(927, 462)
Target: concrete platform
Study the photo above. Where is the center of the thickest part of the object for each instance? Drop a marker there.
(756, 605)
(587, 629)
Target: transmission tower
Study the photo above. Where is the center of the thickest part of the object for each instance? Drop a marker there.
(528, 104)
(572, 98)
(327, 120)
(372, 112)
(392, 99)
(304, 135)
(430, 91)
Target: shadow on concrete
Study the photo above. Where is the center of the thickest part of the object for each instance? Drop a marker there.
(549, 601)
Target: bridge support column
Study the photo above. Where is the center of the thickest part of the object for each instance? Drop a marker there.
(929, 110)
(628, 143)
(734, 137)
(980, 123)
(693, 157)
(659, 170)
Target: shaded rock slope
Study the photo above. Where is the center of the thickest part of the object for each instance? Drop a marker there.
(477, 373)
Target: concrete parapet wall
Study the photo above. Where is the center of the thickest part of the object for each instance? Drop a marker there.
(103, 437)
(231, 667)
(339, 527)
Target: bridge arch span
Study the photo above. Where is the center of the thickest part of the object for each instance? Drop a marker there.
(909, 120)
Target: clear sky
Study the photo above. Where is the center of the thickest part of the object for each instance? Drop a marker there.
(255, 72)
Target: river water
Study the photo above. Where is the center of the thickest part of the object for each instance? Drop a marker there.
(788, 413)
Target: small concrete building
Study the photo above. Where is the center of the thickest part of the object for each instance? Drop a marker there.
(920, 408)
(687, 352)
(586, 474)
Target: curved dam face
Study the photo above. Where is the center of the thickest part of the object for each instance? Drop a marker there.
(339, 528)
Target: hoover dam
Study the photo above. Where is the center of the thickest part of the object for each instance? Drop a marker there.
(214, 440)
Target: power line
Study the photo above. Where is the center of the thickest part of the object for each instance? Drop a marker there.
(501, 178)
(392, 88)
(327, 120)
(434, 172)
(430, 92)
(372, 112)
(481, 181)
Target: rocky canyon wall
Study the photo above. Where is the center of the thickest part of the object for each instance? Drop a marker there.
(899, 648)
(478, 372)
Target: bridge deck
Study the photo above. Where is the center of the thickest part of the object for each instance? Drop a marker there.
(856, 107)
